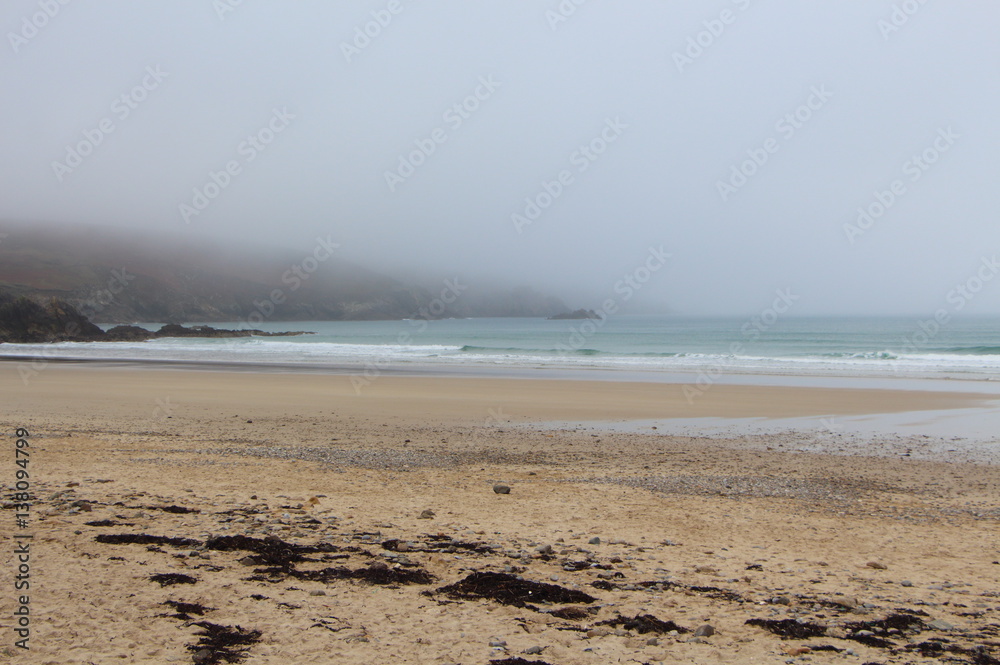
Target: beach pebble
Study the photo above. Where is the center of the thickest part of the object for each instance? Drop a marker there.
(501, 489)
(534, 650)
(906, 583)
(500, 644)
(705, 630)
(426, 514)
(317, 592)
(940, 624)
(876, 565)
(202, 656)
(594, 541)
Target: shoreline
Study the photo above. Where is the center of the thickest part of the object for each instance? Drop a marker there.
(520, 399)
(933, 383)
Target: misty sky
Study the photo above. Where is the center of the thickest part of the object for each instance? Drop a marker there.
(628, 123)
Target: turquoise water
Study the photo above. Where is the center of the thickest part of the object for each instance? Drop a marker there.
(846, 346)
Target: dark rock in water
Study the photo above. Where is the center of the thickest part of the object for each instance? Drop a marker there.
(578, 314)
(501, 489)
(24, 321)
(174, 330)
(127, 334)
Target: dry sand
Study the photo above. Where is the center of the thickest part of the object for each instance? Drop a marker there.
(691, 531)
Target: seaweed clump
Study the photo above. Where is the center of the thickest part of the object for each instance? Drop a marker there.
(510, 590)
(222, 643)
(644, 623)
(789, 628)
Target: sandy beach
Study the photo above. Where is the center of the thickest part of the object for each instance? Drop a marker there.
(184, 516)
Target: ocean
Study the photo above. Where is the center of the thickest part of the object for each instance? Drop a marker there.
(881, 347)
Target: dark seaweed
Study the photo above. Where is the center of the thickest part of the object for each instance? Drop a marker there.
(177, 510)
(645, 623)
(168, 579)
(145, 539)
(509, 590)
(270, 551)
(789, 628)
(184, 610)
(223, 643)
(718, 594)
(572, 613)
(371, 574)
